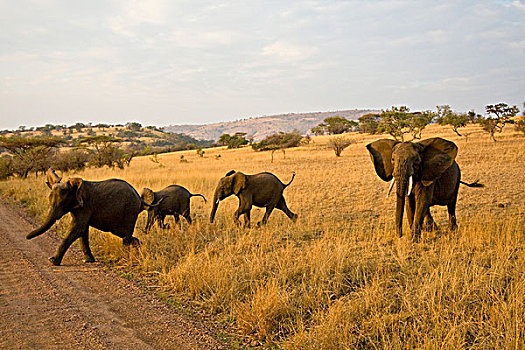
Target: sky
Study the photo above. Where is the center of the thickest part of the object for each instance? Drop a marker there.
(193, 62)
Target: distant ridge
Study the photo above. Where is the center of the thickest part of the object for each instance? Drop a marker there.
(260, 127)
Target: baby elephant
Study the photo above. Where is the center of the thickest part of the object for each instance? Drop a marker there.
(262, 190)
(173, 200)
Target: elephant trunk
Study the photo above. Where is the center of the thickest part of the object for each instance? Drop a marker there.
(52, 217)
(400, 204)
(214, 207)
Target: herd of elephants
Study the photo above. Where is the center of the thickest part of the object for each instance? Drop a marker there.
(425, 174)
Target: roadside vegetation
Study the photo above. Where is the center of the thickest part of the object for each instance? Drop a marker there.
(339, 277)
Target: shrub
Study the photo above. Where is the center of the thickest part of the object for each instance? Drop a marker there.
(338, 144)
(6, 168)
(75, 159)
(278, 141)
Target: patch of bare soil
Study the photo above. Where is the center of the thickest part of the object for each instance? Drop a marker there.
(77, 305)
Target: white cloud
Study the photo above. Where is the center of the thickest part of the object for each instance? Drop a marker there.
(194, 39)
(137, 12)
(285, 52)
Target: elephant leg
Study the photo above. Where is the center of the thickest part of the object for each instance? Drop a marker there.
(422, 207)
(78, 226)
(428, 223)
(451, 208)
(410, 207)
(84, 245)
(247, 219)
(130, 240)
(244, 207)
(281, 205)
(150, 221)
(269, 210)
(160, 221)
(187, 216)
(64, 246)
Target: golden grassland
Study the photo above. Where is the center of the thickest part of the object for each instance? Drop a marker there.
(339, 277)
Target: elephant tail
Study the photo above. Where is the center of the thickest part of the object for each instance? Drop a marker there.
(473, 184)
(198, 195)
(293, 177)
(152, 205)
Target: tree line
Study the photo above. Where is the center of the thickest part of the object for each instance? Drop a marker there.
(399, 121)
(21, 154)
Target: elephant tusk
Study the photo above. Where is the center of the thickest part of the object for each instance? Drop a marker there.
(391, 187)
(409, 186)
(217, 202)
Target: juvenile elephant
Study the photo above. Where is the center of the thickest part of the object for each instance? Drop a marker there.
(426, 172)
(261, 190)
(175, 201)
(110, 206)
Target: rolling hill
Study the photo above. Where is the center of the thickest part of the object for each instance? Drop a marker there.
(261, 127)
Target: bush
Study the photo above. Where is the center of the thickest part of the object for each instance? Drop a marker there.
(233, 141)
(279, 141)
(338, 144)
(75, 159)
(519, 125)
(334, 125)
(369, 123)
(6, 168)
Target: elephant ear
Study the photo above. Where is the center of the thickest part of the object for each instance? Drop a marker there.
(238, 183)
(52, 177)
(437, 156)
(148, 196)
(381, 154)
(77, 185)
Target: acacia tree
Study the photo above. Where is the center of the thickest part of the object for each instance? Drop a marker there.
(233, 141)
(30, 154)
(498, 116)
(418, 121)
(399, 121)
(334, 125)
(369, 123)
(395, 122)
(103, 149)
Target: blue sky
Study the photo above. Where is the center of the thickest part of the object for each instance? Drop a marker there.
(180, 62)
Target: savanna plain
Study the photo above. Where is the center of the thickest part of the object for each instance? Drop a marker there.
(338, 278)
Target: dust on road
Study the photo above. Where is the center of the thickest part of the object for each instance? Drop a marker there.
(77, 305)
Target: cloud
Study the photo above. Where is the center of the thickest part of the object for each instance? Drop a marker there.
(195, 39)
(285, 52)
(136, 13)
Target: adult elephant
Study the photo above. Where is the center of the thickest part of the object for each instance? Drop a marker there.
(110, 206)
(262, 190)
(425, 172)
(175, 201)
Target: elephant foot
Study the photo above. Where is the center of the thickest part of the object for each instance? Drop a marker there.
(89, 259)
(131, 241)
(54, 261)
(453, 227)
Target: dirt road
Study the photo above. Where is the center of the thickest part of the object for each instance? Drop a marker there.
(77, 305)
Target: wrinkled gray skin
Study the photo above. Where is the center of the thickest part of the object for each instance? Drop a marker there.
(110, 206)
(175, 201)
(262, 190)
(435, 177)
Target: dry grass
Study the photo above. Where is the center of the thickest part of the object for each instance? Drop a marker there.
(338, 278)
